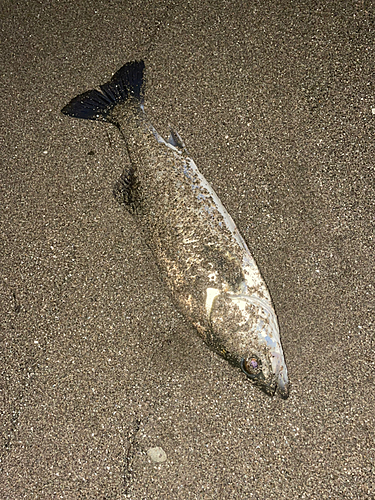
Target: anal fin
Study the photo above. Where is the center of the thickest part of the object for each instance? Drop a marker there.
(127, 191)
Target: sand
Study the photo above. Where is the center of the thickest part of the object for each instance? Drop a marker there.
(275, 102)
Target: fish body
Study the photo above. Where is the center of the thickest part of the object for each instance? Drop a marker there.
(205, 261)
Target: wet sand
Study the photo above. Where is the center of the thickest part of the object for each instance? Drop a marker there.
(276, 105)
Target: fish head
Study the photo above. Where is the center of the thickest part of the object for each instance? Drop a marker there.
(245, 331)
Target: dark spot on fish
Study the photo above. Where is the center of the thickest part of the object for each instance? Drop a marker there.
(225, 264)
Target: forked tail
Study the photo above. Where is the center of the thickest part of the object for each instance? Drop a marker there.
(125, 84)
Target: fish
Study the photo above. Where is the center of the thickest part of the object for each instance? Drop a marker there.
(206, 263)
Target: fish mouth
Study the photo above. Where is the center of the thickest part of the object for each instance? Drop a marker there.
(279, 368)
(283, 391)
(283, 385)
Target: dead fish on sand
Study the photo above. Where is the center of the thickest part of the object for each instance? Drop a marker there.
(206, 263)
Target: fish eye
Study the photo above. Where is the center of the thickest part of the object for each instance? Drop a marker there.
(252, 366)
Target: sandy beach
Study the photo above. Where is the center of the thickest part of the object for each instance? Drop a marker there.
(276, 104)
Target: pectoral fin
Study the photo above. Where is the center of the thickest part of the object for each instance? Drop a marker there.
(175, 140)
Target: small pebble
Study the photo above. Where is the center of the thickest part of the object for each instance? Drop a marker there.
(157, 454)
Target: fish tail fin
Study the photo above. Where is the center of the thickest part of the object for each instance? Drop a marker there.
(126, 83)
